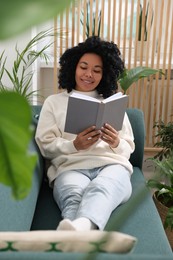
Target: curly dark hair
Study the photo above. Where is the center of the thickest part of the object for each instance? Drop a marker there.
(113, 65)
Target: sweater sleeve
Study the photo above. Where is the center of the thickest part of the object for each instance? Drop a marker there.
(126, 145)
(49, 136)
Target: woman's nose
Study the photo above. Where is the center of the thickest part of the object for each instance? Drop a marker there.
(88, 73)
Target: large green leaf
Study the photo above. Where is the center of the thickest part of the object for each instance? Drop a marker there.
(128, 77)
(16, 16)
(16, 163)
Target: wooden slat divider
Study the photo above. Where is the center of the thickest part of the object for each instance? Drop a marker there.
(114, 20)
(125, 28)
(84, 18)
(108, 19)
(102, 18)
(166, 46)
(158, 59)
(61, 38)
(130, 37)
(96, 17)
(168, 117)
(77, 11)
(119, 23)
(67, 28)
(55, 57)
(91, 17)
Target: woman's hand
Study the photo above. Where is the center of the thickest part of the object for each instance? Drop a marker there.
(110, 135)
(87, 138)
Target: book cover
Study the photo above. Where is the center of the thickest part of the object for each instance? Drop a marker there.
(84, 111)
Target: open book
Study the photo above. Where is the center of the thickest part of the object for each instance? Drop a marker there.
(84, 111)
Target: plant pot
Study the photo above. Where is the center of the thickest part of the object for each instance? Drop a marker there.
(163, 210)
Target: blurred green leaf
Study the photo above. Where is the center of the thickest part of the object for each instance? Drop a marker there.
(17, 16)
(152, 183)
(16, 163)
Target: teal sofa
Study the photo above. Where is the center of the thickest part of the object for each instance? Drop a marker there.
(138, 217)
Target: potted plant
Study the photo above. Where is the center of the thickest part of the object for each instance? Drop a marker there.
(162, 183)
(88, 27)
(21, 73)
(147, 23)
(165, 139)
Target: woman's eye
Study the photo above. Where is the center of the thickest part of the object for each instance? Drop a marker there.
(97, 71)
(83, 68)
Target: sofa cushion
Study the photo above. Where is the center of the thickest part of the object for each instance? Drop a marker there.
(67, 241)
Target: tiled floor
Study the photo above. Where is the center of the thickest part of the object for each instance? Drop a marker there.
(148, 168)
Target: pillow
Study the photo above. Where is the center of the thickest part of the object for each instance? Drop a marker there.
(67, 241)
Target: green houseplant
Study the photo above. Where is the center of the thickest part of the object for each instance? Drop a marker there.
(162, 183)
(128, 77)
(143, 17)
(165, 139)
(21, 73)
(163, 194)
(144, 23)
(94, 30)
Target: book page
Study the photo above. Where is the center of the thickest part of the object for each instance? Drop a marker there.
(85, 97)
(113, 97)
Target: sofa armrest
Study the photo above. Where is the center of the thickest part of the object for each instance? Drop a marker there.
(136, 118)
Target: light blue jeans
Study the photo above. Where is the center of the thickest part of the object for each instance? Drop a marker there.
(92, 193)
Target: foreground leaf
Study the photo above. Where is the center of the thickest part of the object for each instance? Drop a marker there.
(16, 16)
(16, 164)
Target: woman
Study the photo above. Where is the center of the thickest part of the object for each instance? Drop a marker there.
(90, 172)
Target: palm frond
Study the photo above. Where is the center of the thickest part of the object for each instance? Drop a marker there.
(22, 72)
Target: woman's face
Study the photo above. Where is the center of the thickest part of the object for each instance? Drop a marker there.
(89, 72)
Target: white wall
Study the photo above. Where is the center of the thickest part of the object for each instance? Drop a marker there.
(9, 47)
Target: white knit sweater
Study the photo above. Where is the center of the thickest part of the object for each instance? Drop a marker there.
(58, 146)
